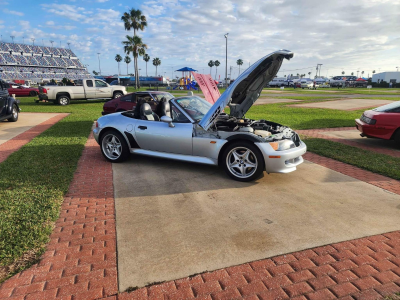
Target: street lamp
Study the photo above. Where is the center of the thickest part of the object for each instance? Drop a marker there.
(397, 69)
(51, 43)
(226, 60)
(12, 37)
(33, 41)
(319, 69)
(98, 55)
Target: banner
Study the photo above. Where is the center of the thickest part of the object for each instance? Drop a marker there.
(208, 87)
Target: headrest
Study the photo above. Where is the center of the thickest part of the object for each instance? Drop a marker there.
(146, 109)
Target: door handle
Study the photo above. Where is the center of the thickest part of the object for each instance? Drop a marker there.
(142, 127)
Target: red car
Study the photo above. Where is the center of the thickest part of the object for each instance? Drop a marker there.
(382, 122)
(21, 91)
(128, 102)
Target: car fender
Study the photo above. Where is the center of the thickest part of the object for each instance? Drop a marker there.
(11, 102)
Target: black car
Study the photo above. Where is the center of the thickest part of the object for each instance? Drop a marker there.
(9, 108)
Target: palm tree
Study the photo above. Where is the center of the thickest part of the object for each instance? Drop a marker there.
(210, 64)
(95, 73)
(216, 63)
(362, 73)
(309, 73)
(127, 60)
(118, 59)
(352, 73)
(135, 45)
(146, 58)
(156, 63)
(373, 72)
(342, 72)
(239, 62)
(136, 21)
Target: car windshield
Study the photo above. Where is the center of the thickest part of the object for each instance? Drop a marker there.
(158, 97)
(194, 106)
(388, 107)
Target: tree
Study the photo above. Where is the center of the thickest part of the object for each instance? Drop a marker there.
(127, 60)
(362, 73)
(146, 58)
(309, 73)
(373, 72)
(156, 63)
(118, 59)
(136, 21)
(352, 73)
(342, 72)
(210, 64)
(134, 45)
(239, 62)
(216, 63)
(95, 73)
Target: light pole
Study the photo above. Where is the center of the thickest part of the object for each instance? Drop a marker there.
(12, 37)
(319, 69)
(226, 60)
(33, 41)
(23, 40)
(51, 43)
(98, 55)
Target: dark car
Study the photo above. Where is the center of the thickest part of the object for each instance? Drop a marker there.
(382, 122)
(19, 90)
(128, 102)
(9, 108)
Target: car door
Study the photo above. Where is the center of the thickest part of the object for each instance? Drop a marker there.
(159, 136)
(102, 89)
(90, 89)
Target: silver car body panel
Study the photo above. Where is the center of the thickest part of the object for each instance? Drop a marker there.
(188, 158)
(246, 89)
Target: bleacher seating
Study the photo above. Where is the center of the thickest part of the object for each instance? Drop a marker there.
(38, 62)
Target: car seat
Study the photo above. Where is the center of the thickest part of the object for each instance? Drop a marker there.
(147, 114)
(163, 108)
(136, 112)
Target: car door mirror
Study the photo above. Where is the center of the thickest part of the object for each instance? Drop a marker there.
(168, 120)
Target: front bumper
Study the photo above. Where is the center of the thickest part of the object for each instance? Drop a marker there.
(282, 161)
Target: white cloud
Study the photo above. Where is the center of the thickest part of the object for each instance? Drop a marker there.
(12, 12)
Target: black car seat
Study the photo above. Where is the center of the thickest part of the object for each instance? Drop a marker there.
(163, 108)
(136, 112)
(147, 114)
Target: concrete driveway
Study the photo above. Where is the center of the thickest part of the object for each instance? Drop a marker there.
(176, 219)
(346, 104)
(26, 121)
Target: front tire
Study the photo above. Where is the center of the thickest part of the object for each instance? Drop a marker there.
(15, 113)
(114, 147)
(63, 100)
(243, 161)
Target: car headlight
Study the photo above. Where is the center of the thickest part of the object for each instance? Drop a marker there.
(282, 145)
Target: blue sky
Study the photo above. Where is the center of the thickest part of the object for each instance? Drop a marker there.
(341, 34)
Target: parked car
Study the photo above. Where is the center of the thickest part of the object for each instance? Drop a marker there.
(114, 82)
(9, 108)
(382, 122)
(128, 102)
(19, 90)
(193, 130)
(90, 89)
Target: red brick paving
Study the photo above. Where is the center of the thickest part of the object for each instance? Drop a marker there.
(318, 133)
(7, 148)
(80, 261)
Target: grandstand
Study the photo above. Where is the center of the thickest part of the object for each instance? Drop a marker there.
(39, 63)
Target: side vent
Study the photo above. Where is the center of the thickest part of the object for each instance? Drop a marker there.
(131, 140)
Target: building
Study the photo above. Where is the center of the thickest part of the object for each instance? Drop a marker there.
(393, 77)
(39, 63)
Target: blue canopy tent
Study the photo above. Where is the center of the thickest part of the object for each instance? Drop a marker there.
(185, 69)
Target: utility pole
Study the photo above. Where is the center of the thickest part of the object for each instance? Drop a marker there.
(98, 55)
(226, 60)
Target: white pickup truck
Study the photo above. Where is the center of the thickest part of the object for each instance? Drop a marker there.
(86, 89)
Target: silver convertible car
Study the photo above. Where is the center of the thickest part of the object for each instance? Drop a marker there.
(193, 130)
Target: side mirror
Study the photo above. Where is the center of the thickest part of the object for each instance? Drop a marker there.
(168, 120)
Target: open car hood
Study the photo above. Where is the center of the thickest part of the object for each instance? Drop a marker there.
(246, 89)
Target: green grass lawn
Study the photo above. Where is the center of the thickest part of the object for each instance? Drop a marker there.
(34, 179)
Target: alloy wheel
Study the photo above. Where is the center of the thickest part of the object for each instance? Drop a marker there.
(112, 147)
(241, 162)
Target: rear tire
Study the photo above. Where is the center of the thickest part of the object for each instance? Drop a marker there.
(15, 114)
(32, 93)
(63, 100)
(396, 138)
(117, 95)
(243, 161)
(113, 146)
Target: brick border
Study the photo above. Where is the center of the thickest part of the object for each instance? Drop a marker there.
(80, 261)
(14, 144)
(318, 133)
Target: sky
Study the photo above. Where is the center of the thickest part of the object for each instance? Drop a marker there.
(341, 35)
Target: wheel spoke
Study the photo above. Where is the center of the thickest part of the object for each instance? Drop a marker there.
(246, 155)
(234, 165)
(236, 155)
(250, 164)
(242, 170)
